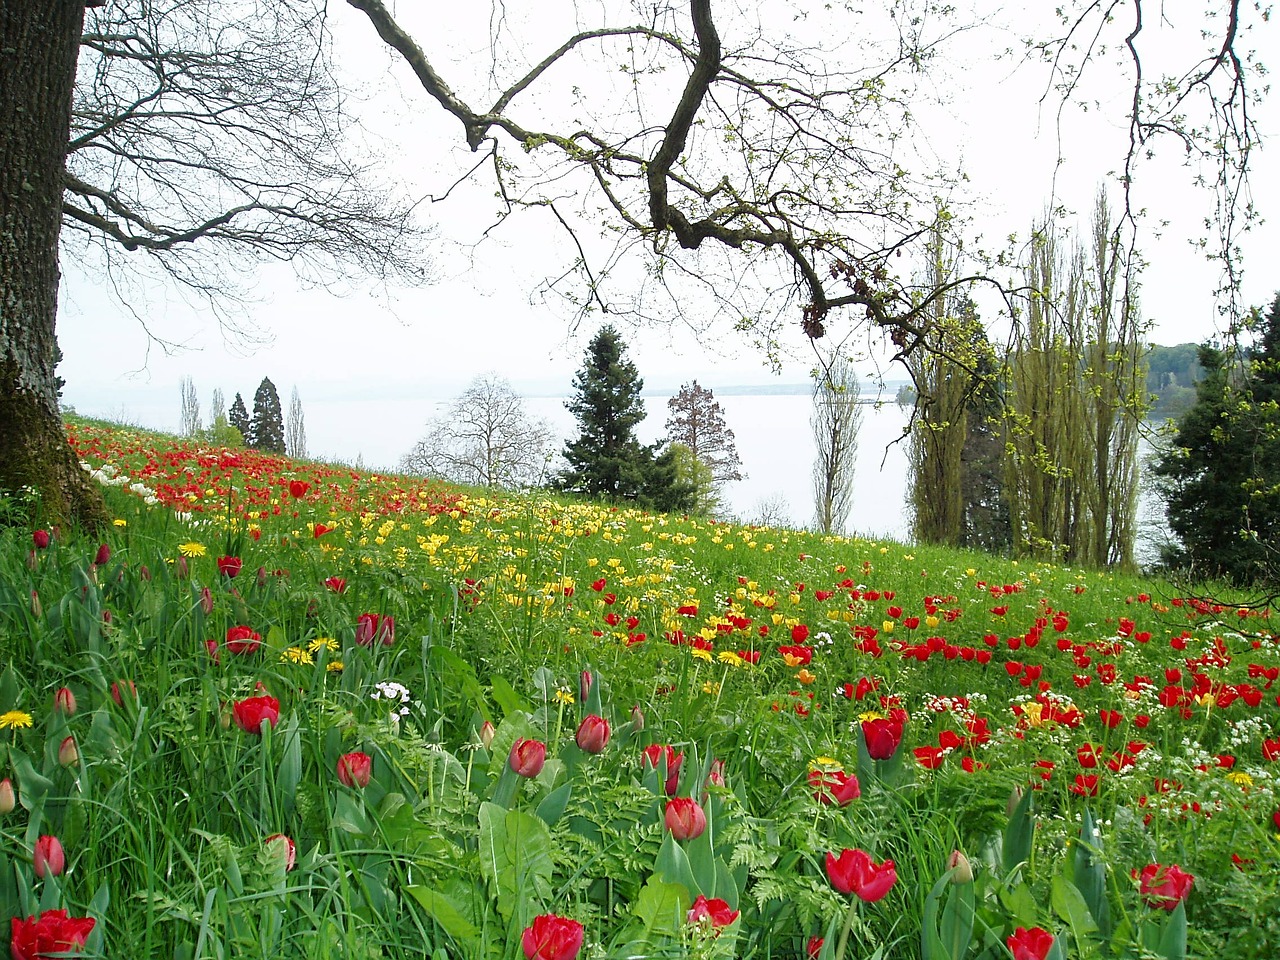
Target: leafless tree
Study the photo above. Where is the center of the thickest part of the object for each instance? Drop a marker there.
(210, 136)
(217, 407)
(696, 419)
(835, 420)
(295, 433)
(189, 422)
(485, 438)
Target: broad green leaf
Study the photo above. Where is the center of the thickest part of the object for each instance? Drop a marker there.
(506, 697)
(1069, 904)
(1018, 835)
(1173, 939)
(446, 913)
(661, 909)
(515, 859)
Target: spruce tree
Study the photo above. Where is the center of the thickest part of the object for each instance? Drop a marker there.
(607, 460)
(267, 426)
(239, 418)
(1221, 476)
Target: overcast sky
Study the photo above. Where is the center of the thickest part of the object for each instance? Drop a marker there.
(394, 352)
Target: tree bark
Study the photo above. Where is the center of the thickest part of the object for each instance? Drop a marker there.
(39, 43)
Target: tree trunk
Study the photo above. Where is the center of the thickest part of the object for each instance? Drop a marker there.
(39, 40)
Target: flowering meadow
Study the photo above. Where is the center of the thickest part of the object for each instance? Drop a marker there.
(287, 710)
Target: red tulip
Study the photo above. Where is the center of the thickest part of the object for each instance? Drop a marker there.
(355, 769)
(838, 787)
(40, 538)
(68, 752)
(298, 489)
(716, 911)
(122, 689)
(1164, 887)
(685, 818)
(1033, 944)
(855, 872)
(64, 702)
(229, 566)
(251, 712)
(102, 556)
(527, 757)
(653, 756)
(883, 736)
(53, 933)
(552, 938)
(283, 847)
(48, 858)
(374, 628)
(243, 640)
(336, 584)
(593, 733)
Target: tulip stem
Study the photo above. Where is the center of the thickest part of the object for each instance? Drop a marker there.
(844, 931)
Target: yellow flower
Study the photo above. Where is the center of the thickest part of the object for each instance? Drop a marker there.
(12, 719)
(192, 549)
(323, 643)
(730, 658)
(829, 764)
(334, 666)
(870, 715)
(710, 687)
(119, 522)
(887, 626)
(1240, 779)
(791, 660)
(564, 696)
(701, 654)
(1034, 713)
(931, 621)
(804, 676)
(295, 655)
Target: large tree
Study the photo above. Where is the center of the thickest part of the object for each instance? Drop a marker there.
(484, 437)
(1220, 475)
(835, 420)
(205, 136)
(266, 429)
(696, 421)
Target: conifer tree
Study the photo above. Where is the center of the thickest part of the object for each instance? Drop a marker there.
(267, 425)
(1221, 476)
(239, 418)
(606, 460)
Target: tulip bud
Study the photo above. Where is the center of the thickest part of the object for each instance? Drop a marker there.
(962, 867)
(40, 538)
(33, 561)
(48, 858)
(37, 609)
(68, 752)
(103, 556)
(180, 568)
(120, 689)
(8, 798)
(527, 757)
(637, 719)
(685, 818)
(262, 577)
(355, 769)
(1015, 798)
(584, 685)
(487, 732)
(282, 847)
(144, 572)
(206, 600)
(64, 702)
(593, 733)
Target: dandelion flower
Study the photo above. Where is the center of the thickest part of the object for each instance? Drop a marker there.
(295, 655)
(334, 666)
(192, 549)
(563, 696)
(323, 643)
(13, 719)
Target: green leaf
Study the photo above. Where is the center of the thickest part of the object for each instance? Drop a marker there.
(515, 859)
(506, 697)
(1021, 905)
(957, 920)
(1173, 939)
(553, 804)
(1090, 875)
(672, 864)
(447, 914)
(1069, 904)
(661, 909)
(1018, 835)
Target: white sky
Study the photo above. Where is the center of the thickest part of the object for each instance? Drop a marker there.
(479, 315)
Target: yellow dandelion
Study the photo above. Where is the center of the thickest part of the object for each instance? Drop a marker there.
(701, 654)
(323, 643)
(730, 658)
(334, 666)
(563, 696)
(295, 655)
(13, 719)
(1240, 779)
(711, 687)
(119, 522)
(192, 549)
